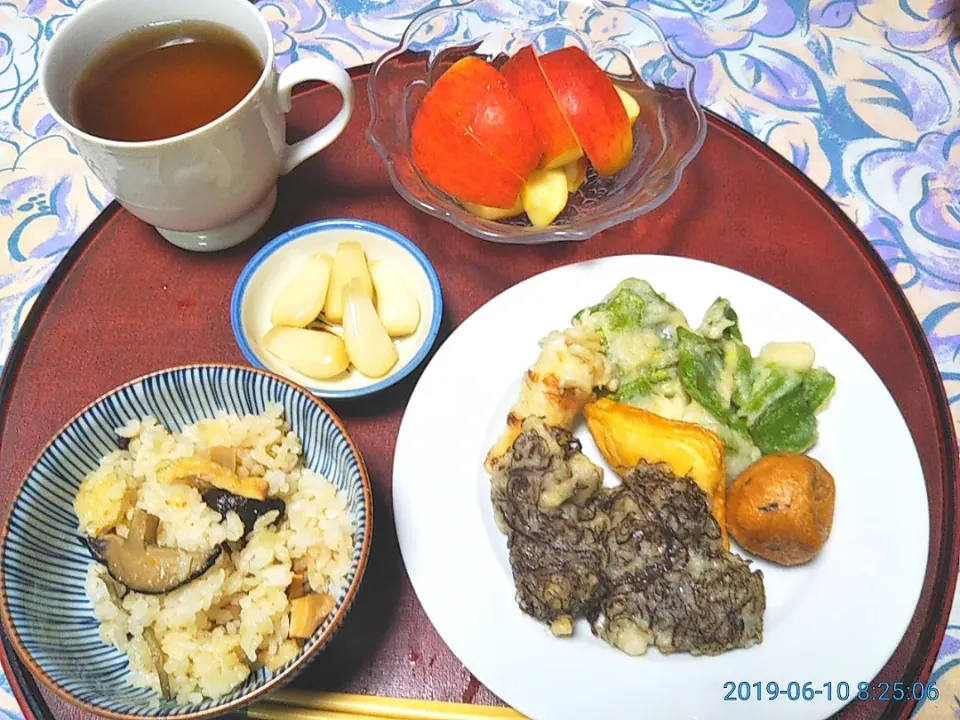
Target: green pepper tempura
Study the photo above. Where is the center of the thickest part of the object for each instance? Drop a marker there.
(757, 405)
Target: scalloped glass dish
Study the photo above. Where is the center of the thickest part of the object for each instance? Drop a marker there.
(626, 43)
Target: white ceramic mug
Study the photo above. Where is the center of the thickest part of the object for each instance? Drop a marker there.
(215, 186)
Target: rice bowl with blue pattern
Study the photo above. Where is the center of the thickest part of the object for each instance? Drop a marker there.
(208, 526)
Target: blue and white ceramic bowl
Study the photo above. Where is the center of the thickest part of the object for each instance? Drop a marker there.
(261, 280)
(43, 602)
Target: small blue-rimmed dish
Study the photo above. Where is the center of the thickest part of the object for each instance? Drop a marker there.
(262, 279)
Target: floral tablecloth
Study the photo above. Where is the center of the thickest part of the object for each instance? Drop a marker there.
(862, 95)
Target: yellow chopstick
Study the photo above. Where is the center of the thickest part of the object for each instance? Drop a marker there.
(273, 711)
(298, 704)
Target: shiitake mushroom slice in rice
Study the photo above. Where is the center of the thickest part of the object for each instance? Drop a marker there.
(144, 567)
(248, 509)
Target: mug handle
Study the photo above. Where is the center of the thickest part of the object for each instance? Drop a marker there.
(303, 71)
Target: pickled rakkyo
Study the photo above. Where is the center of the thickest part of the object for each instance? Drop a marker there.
(303, 296)
(349, 263)
(369, 346)
(314, 353)
(397, 306)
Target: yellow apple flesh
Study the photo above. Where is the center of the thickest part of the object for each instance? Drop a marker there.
(576, 173)
(544, 196)
(629, 104)
(493, 213)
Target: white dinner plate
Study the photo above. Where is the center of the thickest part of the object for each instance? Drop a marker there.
(834, 621)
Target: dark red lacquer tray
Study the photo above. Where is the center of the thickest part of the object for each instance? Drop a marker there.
(124, 302)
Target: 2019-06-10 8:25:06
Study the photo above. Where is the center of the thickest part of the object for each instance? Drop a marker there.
(793, 691)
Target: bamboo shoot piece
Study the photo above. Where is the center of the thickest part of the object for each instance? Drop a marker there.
(308, 612)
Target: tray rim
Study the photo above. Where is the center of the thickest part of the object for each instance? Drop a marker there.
(24, 686)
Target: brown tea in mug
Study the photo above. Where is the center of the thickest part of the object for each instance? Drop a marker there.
(164, 80)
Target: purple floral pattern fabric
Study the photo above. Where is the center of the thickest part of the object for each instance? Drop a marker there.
(862, 95)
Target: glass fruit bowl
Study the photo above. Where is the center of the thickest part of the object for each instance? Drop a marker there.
(626, 43)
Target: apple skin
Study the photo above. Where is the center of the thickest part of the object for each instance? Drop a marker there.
(529, 84)
(479, 100)
(593, 107)
(455, 161)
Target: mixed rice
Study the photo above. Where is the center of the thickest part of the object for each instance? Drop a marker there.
(267, 589)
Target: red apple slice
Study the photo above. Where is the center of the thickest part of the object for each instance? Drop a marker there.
(455, 161)
(593, 107)
(529, 84)
(476, 95)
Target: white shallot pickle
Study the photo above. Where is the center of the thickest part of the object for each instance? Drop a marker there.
(302, 298)
(369, 346)
(349, 263)
(314, 353)
(397, 306)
